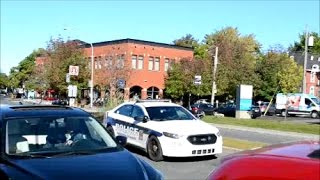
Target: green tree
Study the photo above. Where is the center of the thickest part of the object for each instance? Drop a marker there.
(60, 55)
(4, 80)
(200, 49)
(180, 79)
(21, 73)
(300, 44)
(277, 72)
(236, 59)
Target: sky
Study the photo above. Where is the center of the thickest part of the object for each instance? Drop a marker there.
(29, 25)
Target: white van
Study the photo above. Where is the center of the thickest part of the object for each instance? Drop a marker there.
(298, 104)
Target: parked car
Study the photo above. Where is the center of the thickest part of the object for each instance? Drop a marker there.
(60, 102)
(202, 109)
(162, 128)
(264, 107)
(298, 160)
(228, 109)
(60, 142)
(255, 112)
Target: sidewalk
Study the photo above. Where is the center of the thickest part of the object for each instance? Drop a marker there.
(298, 136)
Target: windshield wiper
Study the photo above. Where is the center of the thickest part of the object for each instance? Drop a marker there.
(28, 155)
(69, 153)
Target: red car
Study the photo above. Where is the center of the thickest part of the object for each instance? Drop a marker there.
(300, 160)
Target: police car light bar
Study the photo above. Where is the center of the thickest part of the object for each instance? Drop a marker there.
(153, 100)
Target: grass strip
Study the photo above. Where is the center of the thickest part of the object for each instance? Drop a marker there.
(241, 144)
(280, 125)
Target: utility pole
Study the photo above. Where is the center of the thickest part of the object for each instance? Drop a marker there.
(214, 86)
(304, 83)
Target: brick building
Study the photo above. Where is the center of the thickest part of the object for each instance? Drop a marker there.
(312, 78)
(147, 61)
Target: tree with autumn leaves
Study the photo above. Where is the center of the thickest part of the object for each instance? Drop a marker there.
(240, 61)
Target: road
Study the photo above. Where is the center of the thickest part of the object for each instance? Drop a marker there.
(184, 168)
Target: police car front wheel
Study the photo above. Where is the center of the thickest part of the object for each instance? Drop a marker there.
(154, 149)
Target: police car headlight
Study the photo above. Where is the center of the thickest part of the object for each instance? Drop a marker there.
(171, 135)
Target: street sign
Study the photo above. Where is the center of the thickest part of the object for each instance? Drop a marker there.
(197, 80)
(121, 83)
(67, 78)
(74, 70)
(72, 91)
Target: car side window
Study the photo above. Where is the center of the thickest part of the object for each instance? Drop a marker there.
(137, 111)
(125, 110)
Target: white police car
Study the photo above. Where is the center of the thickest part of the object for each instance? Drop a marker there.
(163, 128)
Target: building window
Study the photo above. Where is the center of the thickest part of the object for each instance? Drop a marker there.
(99, 62)
(134, 61)
(108, 62)
(166, 64)
(140, 62)
(150, 65)
(311, 90)
(312, 77)
(120, 61)
(157, 64)
(311, 58)
(95, 63)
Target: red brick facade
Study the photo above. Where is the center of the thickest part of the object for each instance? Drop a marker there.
(312, 83)
(147, 78)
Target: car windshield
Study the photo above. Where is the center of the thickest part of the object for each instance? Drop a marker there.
(316, 100)
(166, 113)
(55, 135)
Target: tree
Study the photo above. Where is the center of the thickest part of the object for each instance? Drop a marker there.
(277, 72)
(186, 41)
(108, 75)
(300, 44)
(4, 80)
(200, 49)
(60, 55)
(237, 59)
(21, 74)
(180, 79)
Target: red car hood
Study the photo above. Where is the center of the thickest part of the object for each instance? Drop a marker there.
(301, 149)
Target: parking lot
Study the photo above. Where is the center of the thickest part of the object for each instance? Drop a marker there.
(184, 168)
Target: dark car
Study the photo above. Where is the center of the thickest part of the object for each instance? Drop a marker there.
(60, 142)
(255, 112)
(202, 109)
(297, 160)
(60, 102)
(228, 109)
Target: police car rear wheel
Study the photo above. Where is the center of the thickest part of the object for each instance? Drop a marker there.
(154, 149)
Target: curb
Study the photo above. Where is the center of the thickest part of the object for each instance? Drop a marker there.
(269, 131)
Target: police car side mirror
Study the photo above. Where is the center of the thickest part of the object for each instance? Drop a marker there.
(122, 140)
(141, 118)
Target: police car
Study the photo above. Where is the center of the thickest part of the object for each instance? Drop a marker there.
(162, 128)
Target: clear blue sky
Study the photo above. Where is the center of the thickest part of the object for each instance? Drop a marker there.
(28, 25)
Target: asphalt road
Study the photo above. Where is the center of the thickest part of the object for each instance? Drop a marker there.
(184, 168)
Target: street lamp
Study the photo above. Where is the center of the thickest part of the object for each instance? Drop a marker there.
(91, 84)
(308, 42)
(92, 66)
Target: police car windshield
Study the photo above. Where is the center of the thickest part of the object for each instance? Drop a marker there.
(167, 113)
(37, 135)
